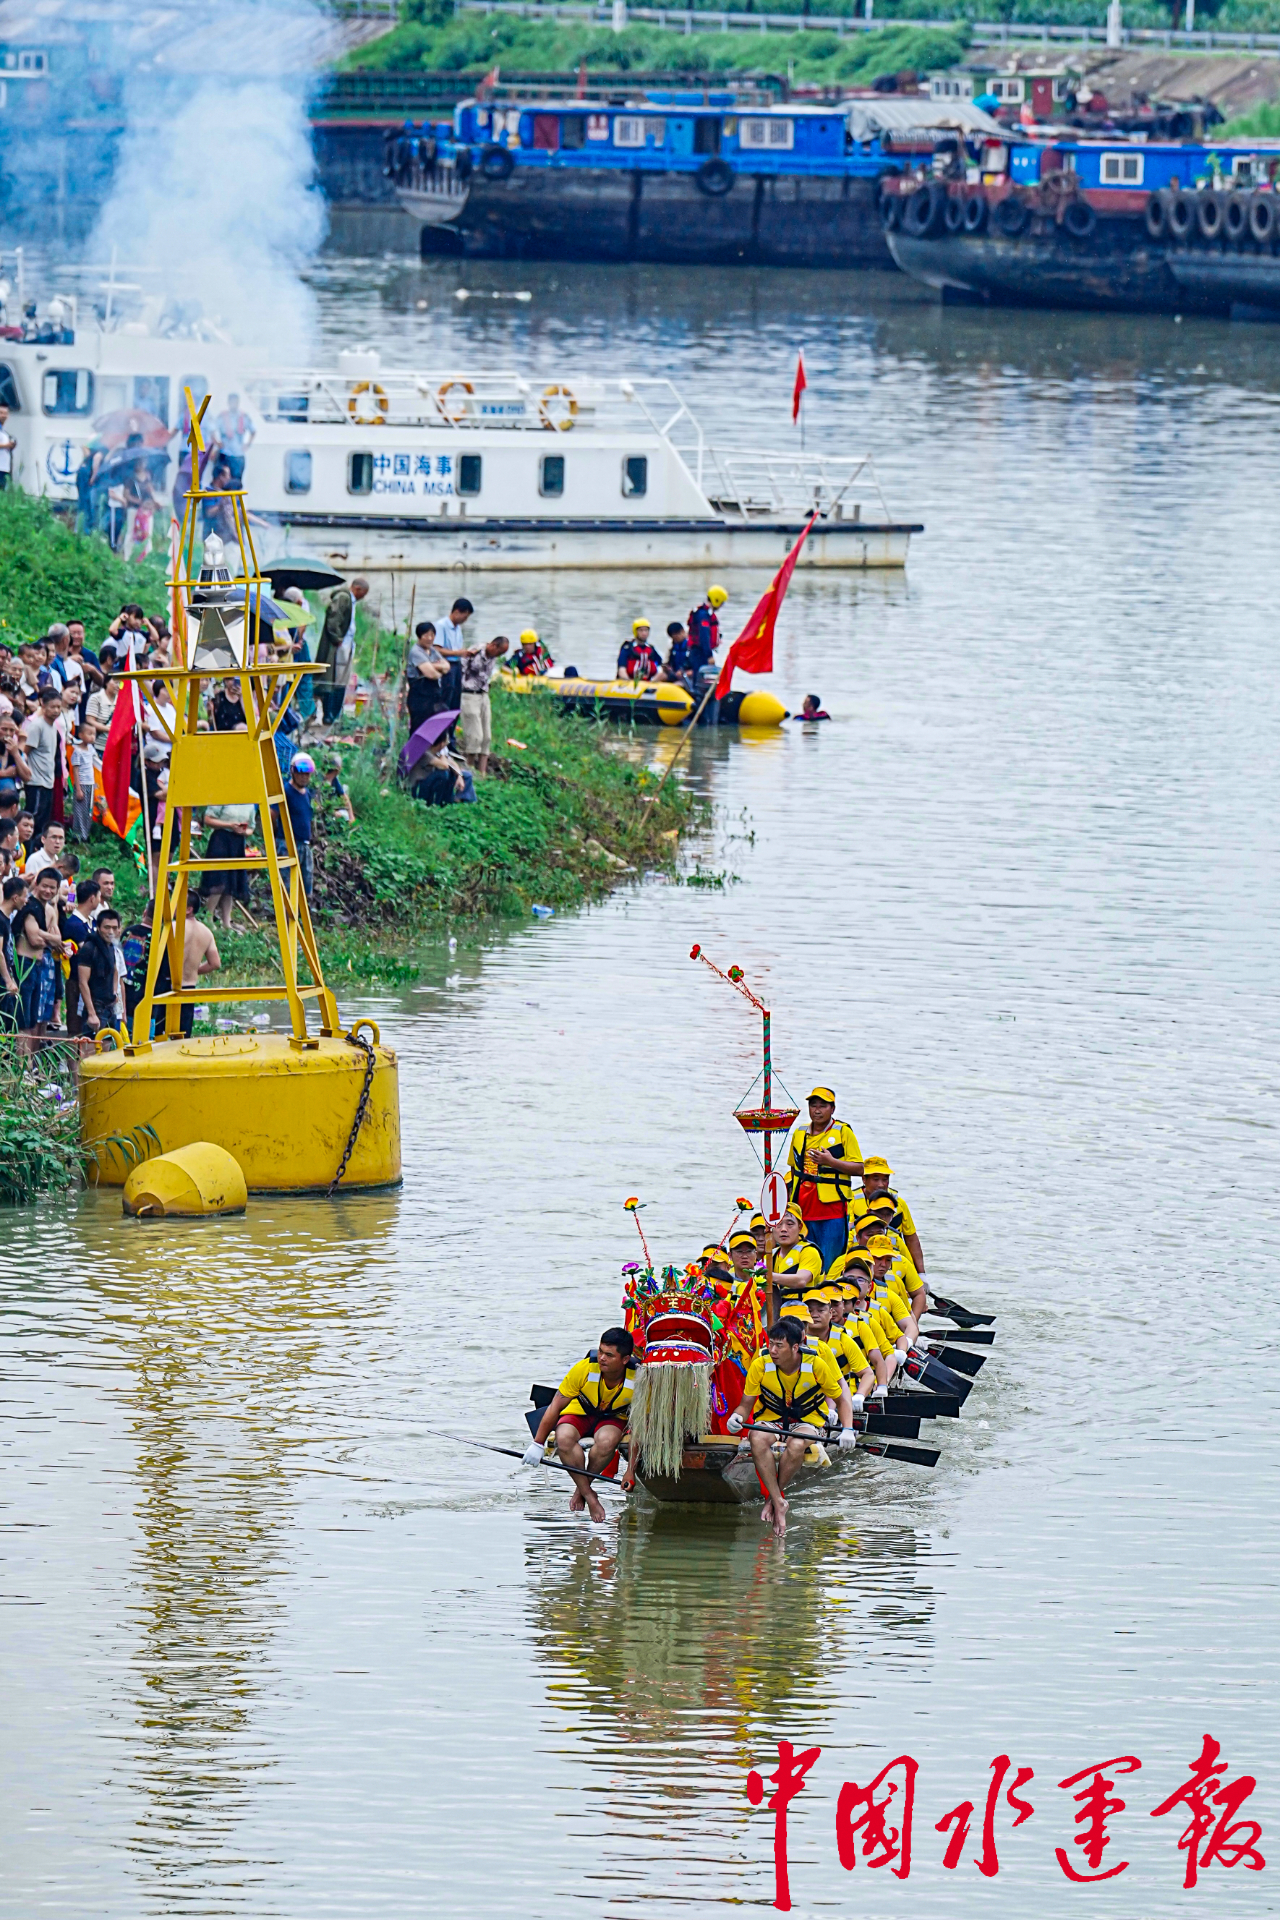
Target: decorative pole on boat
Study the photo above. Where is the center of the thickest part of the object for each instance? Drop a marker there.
(766, 1119)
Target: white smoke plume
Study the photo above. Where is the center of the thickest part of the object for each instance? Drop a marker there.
(213, 188)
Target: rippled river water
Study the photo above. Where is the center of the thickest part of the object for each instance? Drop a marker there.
(271, 1649)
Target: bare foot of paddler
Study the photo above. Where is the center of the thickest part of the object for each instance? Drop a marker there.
(779, 1516)
(594, 1508)
(576, 1502)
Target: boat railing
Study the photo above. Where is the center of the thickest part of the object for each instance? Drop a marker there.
(370, 395)
(761, 483)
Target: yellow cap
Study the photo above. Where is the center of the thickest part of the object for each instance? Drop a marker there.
(882, 1203)
(876, 1165)
(742, 1239)
(794, 1210)
(868, 1223)
(641, 622)
(757, 1221)
(793, 1310)
(823, 1093)
(882, 1249)
(850, 1290)
(861, 1260)
(833, 1290)
(528, 638)
(814, 1293)
(717, 596)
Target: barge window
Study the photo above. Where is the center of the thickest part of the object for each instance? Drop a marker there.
(68, 390)
(546, 132)
(9, 390)
(470, 471)
(551, 475)
(359, 473)
(706, 136)
(1122, 169)
(768, 133)
(573, 130)
(628, 131)
(297, 471)
(635, 475)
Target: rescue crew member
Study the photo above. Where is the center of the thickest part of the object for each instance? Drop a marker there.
(876, 1175)
(792, 1387)
(590, 1403)
(824, 1159)
(639, 659)
(704, 630)
(531, 657)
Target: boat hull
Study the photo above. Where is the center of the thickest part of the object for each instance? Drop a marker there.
(383, 544)
(1118, 268)
(580, 213)
(655, 703)
(715, 1474)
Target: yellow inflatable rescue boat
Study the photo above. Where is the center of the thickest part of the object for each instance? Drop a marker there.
(658, 703)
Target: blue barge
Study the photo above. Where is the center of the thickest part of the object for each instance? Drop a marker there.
(1157, 227)
(690, 178)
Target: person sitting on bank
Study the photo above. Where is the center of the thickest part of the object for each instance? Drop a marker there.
(591, 1403)
(825, 1158)
(813, 708)
(793, 1385)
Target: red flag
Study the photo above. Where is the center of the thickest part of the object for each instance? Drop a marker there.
(117, 755)
(798, 389)
(753, 648)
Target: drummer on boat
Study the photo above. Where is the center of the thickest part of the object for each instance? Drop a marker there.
(591, 1403)
(792, 1385)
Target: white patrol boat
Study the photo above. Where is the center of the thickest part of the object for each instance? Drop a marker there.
(388, 470)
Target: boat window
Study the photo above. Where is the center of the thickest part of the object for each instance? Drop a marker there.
(657, 130)
(1122, 169)
(573, 130)
(628, 131)
(546, 131)
(597, 126)
(297, 471)
(152, 392)
(359, 473)
(68, 390)
(9, 390)
(706, 136)
(470, 468)
(551, 475)
(291, 406)
(635, 475)
(768, 133)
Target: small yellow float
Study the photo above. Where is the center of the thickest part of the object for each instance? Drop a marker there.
(303, 1111)
(661, 703)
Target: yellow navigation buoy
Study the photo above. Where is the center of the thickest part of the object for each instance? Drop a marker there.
(198, 1179)
(761, 710)
(304, 1111)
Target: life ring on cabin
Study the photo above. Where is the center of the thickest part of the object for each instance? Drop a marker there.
(497, 164)
(1262, 218)
(975, 213)
(360, 415)
(1009, 217)
(1209, 215)
(557, 422)
(1182, 215)
(714, 177)
(1079, 219)
(1156, 213)
(442, 401)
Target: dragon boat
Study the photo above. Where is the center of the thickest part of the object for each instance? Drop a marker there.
(693, 1338)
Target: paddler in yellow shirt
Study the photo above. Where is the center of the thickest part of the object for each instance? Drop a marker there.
(871, 1226)
(792, 1388)
(592, 1402)
(876, 1175)
(829, 1337)
(796, 1265)
(823, 1163)
(873, 1329)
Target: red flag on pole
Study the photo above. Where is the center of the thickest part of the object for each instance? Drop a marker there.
(753, 648)
(117, 755)
(798, 390)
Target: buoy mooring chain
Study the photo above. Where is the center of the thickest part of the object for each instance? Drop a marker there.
(356, 1039)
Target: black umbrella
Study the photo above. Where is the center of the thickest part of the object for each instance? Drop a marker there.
(311, 575)
(122, 460)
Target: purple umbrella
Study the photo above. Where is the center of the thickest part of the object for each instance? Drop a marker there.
(432, 729)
